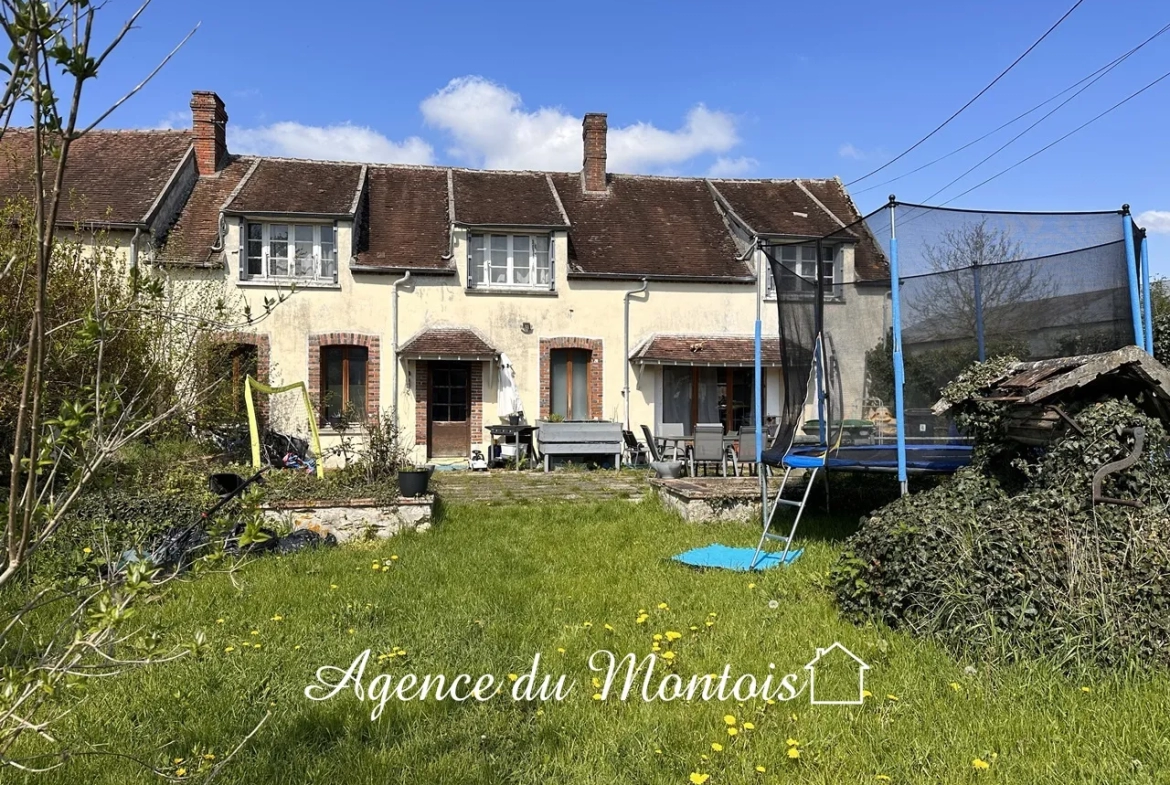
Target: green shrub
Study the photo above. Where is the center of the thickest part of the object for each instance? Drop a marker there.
(1009, 558)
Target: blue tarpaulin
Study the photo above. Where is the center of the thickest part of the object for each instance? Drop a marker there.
(724, 557)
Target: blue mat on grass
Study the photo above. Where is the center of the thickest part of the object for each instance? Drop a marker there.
(724, 557)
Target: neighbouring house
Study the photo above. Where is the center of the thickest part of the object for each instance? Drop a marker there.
(410, 281)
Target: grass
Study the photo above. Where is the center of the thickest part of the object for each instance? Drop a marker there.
(492, 586)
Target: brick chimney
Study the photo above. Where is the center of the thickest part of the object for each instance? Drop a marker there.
(593, 168)
(209, 129)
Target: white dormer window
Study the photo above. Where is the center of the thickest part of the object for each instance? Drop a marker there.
(798, 271)
(291, 251)
(510, 261)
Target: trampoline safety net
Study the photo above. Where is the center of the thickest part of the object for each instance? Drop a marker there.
(974, 285)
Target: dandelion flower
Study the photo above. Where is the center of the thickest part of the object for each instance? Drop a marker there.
(297, 647)
(748, 726)
(209, 756)
(333, 586)
(87, 549)
(694, 628)
(866, 694)
(642, 618)
(597, 696)
(587, 624)
(512, 677)
(980, 765)
(712, 614)
(609, 627)
(751, 586)
(668, 655)
(891, 697)
(177, 761)
(710, 624)
(717, 746)
(699, 779)
(729, 719)
(762, 769)
(793, 753)
(376, 566)
(255, 645)
(956, 686)
(733, 731)
(229, 649)
(657, 636)
(671, 635)
(658, 751)
(394, 557)
(219, 621)
(704, 758)
(1086, 689)
(561, 650)
(662, 606)
(255, 632)
(350, 630)
(596, 682)
(793, 743)
(882, 778)
(180, 772)
(278, 617)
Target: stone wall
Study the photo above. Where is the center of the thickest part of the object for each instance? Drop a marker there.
(360, 519)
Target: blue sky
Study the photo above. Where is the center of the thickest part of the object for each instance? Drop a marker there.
(747, 89)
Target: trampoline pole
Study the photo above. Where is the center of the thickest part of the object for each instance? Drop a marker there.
(899, 370)
(758, 391)
(979, 311)
(1131, 260)
(1149, 314)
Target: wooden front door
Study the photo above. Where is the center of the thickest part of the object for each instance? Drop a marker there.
(449, 410)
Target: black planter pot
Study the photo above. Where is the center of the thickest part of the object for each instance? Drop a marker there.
(413, 482)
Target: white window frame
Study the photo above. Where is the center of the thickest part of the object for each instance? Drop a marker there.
(836, 263)
(510, 271)
(320, 272)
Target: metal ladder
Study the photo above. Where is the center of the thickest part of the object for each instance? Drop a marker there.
(780, 500)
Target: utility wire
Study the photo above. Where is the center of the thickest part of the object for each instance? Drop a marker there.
(978, 95)
(1050, 145)
(1051, 112)
(1108, 66)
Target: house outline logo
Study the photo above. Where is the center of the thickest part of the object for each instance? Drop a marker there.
(811, 667)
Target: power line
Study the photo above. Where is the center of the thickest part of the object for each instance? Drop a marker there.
(978, 95)
(1050, 145)
(1105, 68)
(1051, 112)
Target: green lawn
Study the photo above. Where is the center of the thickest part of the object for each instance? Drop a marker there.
(490, 587)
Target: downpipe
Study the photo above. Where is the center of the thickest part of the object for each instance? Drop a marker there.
(626, 356)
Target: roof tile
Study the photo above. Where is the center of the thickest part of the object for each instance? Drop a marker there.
(657, 226)
(111, 176)
(730, 350)
(505, 199)
(405, 223)
(197, 230)
(299, 187)
(445, 341)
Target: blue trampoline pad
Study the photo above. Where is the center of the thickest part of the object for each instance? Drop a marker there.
(723, 557)
(920, 458)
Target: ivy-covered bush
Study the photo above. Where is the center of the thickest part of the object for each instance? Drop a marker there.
(1011, 559)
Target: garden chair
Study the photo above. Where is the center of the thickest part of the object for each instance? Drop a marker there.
(708, 448)
(635, 453)
(670, 430)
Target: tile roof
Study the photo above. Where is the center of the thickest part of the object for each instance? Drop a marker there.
(776, 207)
(505, 199)
(197, 230)
(657, 226)
(705, 350)
(405, 220)
(282, 185)
(448, 342)
(111, 177)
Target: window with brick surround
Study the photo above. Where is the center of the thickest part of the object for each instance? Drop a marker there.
(510, 261)
(344, 380)
(290, 251)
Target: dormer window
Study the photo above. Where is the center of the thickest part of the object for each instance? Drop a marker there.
(510, 261)
(287, 251)
(798, 271)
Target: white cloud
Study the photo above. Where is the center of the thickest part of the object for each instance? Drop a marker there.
(732, 167)
(847, 150)
(1156, 221)
(174, 121)
(343, 142)
(491, 128)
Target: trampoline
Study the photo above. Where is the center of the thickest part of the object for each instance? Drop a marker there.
(920, 458)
